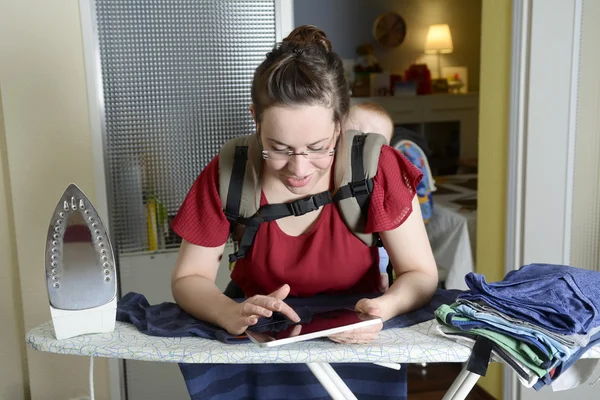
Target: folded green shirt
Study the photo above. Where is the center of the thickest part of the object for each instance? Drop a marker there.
(518, 349)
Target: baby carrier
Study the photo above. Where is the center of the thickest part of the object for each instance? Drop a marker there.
(240, 165)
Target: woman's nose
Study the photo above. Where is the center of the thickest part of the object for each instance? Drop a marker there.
(298, 165)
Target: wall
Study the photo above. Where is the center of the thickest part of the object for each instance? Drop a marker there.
(493, 141)
(13, 368)
(586, 197)
(349, 23)
(48, 145)
(561, 174)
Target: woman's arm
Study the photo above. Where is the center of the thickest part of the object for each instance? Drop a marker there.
(416, 272)
(194, 290)
(193, 282)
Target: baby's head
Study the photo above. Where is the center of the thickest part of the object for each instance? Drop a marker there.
(370, 118)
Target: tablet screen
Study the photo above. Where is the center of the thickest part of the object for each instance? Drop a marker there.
(319, 325)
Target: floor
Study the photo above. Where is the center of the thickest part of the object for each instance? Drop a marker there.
(432, 381)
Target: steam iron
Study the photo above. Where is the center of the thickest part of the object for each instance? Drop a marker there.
(80, 269)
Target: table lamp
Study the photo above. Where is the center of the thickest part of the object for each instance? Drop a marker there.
(439, 41)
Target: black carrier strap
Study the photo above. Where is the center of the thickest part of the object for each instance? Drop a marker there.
(359, 186)
(480, 356)
(236, 182)
(271, 212)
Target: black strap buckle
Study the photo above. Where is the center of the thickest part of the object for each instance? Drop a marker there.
(303, 206)
(233, 257)
(360, 188)
(231, 217)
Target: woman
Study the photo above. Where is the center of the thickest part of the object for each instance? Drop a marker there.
(299, 100)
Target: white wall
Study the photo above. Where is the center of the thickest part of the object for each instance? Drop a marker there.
(585, 235)
(558, 79)
(48, 145)
(13, 370)
(548, 130)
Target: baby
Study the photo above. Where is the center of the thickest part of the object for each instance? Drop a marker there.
(372, 118)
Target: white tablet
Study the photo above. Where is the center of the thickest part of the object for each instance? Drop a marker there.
(320, 325)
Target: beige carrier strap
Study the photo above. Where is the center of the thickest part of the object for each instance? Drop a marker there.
(244, 150)
(360, 165)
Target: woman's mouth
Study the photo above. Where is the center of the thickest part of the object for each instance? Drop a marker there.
(298, 182)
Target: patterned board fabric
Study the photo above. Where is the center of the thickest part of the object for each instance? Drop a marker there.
(163, 333)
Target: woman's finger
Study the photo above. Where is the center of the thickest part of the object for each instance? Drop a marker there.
(364, 330)
(274, 304)
(368, 306)
(353, 340)
(250, 308)
(296, 330)
(281, 293)
(365, 334)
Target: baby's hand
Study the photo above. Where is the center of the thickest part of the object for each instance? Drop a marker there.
(384, 282)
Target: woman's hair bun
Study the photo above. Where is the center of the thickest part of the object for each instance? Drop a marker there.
(305, 36)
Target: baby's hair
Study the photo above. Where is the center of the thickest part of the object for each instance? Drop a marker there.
(376, 111)
(376, 108)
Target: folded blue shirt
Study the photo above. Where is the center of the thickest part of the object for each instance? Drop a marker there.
(560, 298)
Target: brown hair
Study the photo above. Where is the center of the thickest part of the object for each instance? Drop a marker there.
(303, 70)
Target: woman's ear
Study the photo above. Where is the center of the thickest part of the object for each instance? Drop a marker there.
(252, 112)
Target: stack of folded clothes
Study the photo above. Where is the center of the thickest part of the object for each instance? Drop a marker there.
(540, 319)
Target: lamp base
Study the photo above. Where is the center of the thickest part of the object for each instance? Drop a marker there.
(439, 85)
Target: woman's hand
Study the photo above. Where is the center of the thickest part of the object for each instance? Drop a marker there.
(242, 315)
(361, 335)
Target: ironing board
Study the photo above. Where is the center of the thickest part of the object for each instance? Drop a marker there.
(416, 344)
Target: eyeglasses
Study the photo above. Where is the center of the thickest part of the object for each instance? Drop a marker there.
(281, 155)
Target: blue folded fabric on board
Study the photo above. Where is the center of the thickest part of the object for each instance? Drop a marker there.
(167, 319)
(560, 298)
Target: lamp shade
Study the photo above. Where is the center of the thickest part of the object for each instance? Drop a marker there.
(439, 39)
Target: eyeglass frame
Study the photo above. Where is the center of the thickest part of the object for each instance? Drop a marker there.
(306, 153)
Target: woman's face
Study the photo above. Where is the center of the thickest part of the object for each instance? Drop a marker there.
(298, 129)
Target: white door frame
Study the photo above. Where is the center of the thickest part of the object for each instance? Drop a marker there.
(542, 112)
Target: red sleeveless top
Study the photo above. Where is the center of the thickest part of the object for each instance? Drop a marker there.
(326, 259)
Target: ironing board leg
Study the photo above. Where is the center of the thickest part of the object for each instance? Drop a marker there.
(331, 381)
(462, 385)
